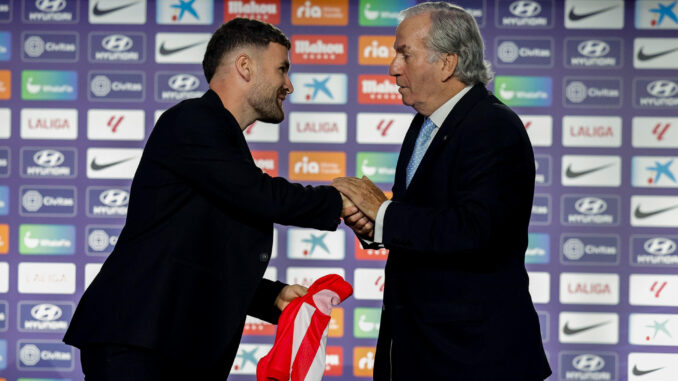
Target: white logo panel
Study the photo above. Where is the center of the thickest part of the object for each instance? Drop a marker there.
(49, 123)
(588, 288)
(46, 278)
(659, 211)
(654, 171)
(655, 53)
(261, 132)
(588, 327)
(592, 131)
(379, 128)
(4, 277)
(315, 244)
(318, 127)
(653, 329)
(591, 170)
(594, 14)
(180, 47)
(5, 123)
(655, 132)
(653, 367)
(247, 358)
(369, 284)
(112, 163)
(305, 276)
(91, 271)
(117, 12)
(653, 290)
(540, 286)
(539, 128)
(115, 124)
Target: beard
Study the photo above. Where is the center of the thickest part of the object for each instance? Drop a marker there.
(264, 101)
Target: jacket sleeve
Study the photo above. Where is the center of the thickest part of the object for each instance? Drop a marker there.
(216, 162)
(263, 306)
(494, 195)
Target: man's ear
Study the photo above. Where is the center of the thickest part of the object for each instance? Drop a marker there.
(449, 66)
(244, 66)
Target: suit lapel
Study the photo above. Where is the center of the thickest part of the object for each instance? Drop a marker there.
(445, 133)
(406, 151)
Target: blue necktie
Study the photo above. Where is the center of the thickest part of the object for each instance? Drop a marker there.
(419, 148)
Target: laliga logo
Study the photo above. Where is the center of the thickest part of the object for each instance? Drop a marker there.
(660, 246)
(590, 205)
(50, 5)
(662, 88)
(46, 312)
(114, 197)
(117, 43)
(525, 8)
(593, 48)
(309, 11)
(48, 158)
(183, 82)
(588, 363)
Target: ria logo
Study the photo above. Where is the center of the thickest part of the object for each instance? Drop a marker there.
(660, 246)
(590, 205)
(662, 88)
(593, 48)
(525, 8)
(184, 82)
(117, 43)
(114, 197)
(588, 362)
(48, 158)
(50, 5)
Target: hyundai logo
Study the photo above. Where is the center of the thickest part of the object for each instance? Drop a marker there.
(117, 43)
(50, 5)
(114, 197)
(590, 205)
(593, 48)
(588, 363)
(46, 312)
(662, 88)
(660, 246)
(525, 8)
(48, 158)
(183, 82)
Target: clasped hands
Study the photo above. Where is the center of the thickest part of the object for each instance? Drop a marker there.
(361, 202)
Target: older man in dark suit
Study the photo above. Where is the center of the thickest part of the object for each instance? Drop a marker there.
(456, 301)
(170, 302)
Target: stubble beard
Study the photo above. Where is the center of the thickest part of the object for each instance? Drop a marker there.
(266, 106)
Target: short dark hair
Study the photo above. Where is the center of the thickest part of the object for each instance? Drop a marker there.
(236, 33)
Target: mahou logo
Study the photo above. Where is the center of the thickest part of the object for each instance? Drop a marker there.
(319, 49)
(267, 161)
(266, 10)
(319, 12)
(378, 89)
(375, 50)
(316, 166)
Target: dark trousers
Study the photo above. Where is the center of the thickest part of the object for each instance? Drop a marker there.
(112, 362)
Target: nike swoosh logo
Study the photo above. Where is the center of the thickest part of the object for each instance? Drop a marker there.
(166, 52)
(576, 17)
(571, 331)
(102, 12)
(645, 57)
(98, 167)
(574, 174)
(638, 372)
(641, 214)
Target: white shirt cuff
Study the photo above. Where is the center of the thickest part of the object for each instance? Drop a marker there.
(379, 222)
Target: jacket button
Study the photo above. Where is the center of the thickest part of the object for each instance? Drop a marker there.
(263, 257)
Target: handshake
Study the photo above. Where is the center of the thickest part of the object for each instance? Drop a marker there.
(361, 202)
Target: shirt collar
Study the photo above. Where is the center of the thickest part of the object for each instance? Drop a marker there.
(439, 115)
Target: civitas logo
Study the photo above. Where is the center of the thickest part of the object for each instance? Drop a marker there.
(102, 86)
(99, 240)
(593, 48)
(45, 355)
(597, 92)
(588, 362)
(59, 43)
(29, 354)
(55, 201)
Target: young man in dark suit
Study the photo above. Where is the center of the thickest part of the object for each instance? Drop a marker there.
(170, 302)
(456, 302)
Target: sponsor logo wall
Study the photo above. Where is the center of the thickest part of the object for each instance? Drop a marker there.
(82, 83)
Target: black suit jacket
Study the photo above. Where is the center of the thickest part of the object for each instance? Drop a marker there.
(456, 301)
(188, 265)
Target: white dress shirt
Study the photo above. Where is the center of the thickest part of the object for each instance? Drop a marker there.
(437, 117)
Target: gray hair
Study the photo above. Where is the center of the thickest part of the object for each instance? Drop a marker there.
(455, 31)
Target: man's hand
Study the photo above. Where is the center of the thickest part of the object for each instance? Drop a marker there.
(288, 294)
(364, 194)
